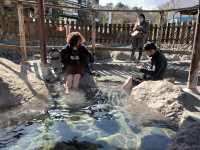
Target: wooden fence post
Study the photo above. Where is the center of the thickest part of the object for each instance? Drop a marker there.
(183, 33)
(43, 50)
(195, 63)
(93, 30)
(168, 29)
(150, 34)
(67, 28)
(22, 35)
(155, 33)
(160, 33)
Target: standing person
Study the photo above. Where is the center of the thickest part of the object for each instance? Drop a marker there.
(139, 35)
(155, 72)
(75, 57)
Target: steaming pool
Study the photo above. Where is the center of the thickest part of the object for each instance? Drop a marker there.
(104, 120)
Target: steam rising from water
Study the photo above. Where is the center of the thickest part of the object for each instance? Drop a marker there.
(120, 101)
(103, 102)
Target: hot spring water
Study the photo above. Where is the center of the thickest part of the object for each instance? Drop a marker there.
(101, 119)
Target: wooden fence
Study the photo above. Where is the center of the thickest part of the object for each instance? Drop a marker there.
(107, 34)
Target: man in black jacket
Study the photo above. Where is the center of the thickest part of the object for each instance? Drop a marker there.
(154, 72)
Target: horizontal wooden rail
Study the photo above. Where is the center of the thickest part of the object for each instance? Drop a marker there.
(108, 33)
(60, 6)
(98, 48)
(124, 49)
(10, 47)
(108, 10)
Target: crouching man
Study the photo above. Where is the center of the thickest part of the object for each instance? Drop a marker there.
(154, 72)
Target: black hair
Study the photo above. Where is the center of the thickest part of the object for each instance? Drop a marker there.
(74, 37)
(149, 46)
(74, 40)
(142, 15)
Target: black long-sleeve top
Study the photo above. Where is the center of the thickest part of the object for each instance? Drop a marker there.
(158, 67)
(143, 27)
(82, 55)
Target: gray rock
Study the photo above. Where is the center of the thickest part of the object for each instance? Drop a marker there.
(18, 85)
(102, 55)
(165, 97)
(188, 137)
(87, 81)
(121, 55)
(154, 142)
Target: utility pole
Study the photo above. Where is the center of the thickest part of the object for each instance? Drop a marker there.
(42, 33)
(195, 63)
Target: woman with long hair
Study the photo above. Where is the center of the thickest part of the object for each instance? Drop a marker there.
(139, 35)
(75, 57)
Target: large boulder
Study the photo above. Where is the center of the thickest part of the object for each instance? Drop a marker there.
(165, 97)
(186, 58)
(126, 56)
(102, 55)
(123, 56)
(87, 81)
(13, 55)
(173, 57)
(19, 85)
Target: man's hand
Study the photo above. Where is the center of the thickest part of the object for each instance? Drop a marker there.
(138, 28)
(140, 67)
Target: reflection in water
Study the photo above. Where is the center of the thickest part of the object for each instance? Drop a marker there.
(103, 119)
(157, 142)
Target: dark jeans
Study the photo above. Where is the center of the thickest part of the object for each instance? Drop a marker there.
(137, 44)
(133, 53)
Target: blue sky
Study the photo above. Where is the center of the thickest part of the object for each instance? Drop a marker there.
(145, 4)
